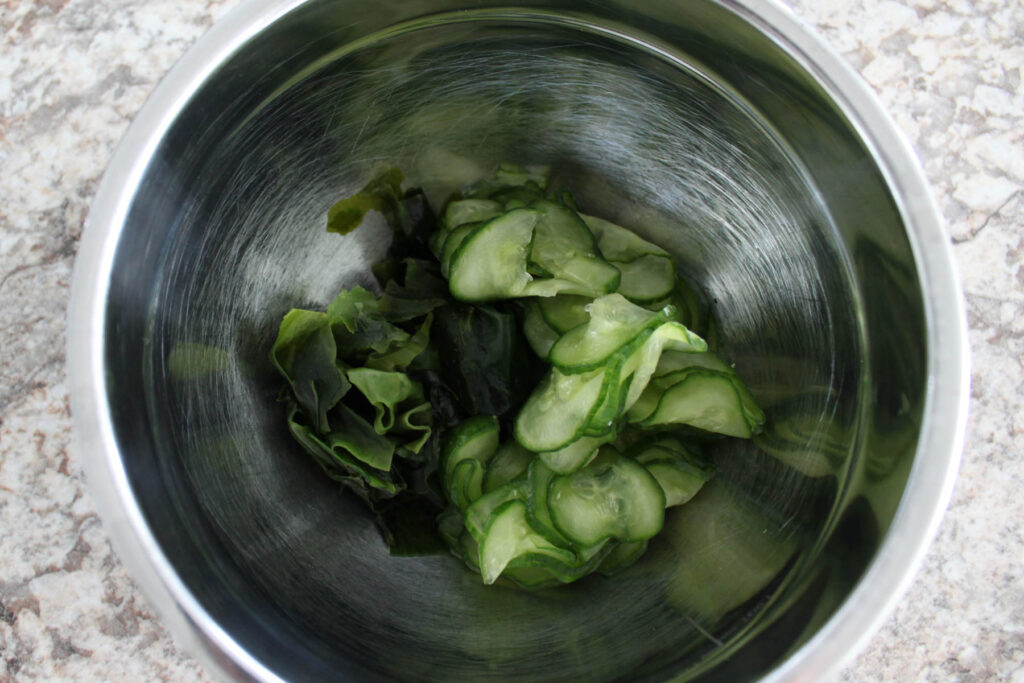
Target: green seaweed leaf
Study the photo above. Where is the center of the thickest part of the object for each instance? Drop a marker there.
(358, 325)
(305, 353)
(382, 194)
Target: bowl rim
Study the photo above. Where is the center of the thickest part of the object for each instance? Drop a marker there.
(931, 480)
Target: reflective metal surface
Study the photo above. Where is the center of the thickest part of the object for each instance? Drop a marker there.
(721, 130)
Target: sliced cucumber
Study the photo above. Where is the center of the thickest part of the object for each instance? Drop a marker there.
(674, 361)
(751, 410)
(563, 233)
(490, 263)
(508, 464)
(469, 550)
(531, 578)
(539, 334)
(648, 400)
(614, 323)
(517, 197)
(646, 278)
(617, 243)
(546, 571)
(461, 543)
(575, 455)
(630, 370)
(605, 416)
(550, 286)
(564, 247)
(679, 480)
(453, 239)
(478, 515)
(701, 398)
(611, 498)
(642, 364)
(566, 311)
(679, 473)
(508, 176)
(694, 312)
(466, 450)
(450, 526)
(465, 485)
(465, 211)
(559, 410)
(510, 538)
(538, 479)
(650, 448)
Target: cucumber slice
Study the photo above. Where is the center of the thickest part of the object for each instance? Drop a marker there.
(574, 456)
(559, 410)
(466, 450)
(530, 578)
(461, 544)
(617, 243)
(693, 309)
(516, 197)
(464, 211)
(646, 278)
(565, 311)
(701, 398)
(629, 374)
(614, 323)
(538, 479)
(477, 517)
(436, 242)
(670, 366)
(490, 263)
(611, 498)
(548, 287)
(466, 483)
(469, 550)
(538, 333)
(651, 448)
(560, 226)
(450, 527)
(679, 473)
(642, 362)
(538, 572)
(564, 247)
(508, 176)
(510, 538)
(622, 556)
(679, 480)
(751, 410)
(674, 361)
(451, 243)
(508, 464)
(604, 418)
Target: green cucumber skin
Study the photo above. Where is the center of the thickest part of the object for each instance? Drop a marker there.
(490, 262)
(627, 483)
(473, 441)
(730, 418)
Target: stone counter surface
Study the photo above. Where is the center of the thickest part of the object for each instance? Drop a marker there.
(74, 72)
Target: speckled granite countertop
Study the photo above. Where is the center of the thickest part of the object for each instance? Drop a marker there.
(73, 73)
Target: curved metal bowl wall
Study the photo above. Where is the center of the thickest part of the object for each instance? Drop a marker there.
(690, 127)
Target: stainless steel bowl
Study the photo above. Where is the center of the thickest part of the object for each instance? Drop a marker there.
(722, 129)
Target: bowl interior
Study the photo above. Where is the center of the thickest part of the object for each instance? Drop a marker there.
(690, 127)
